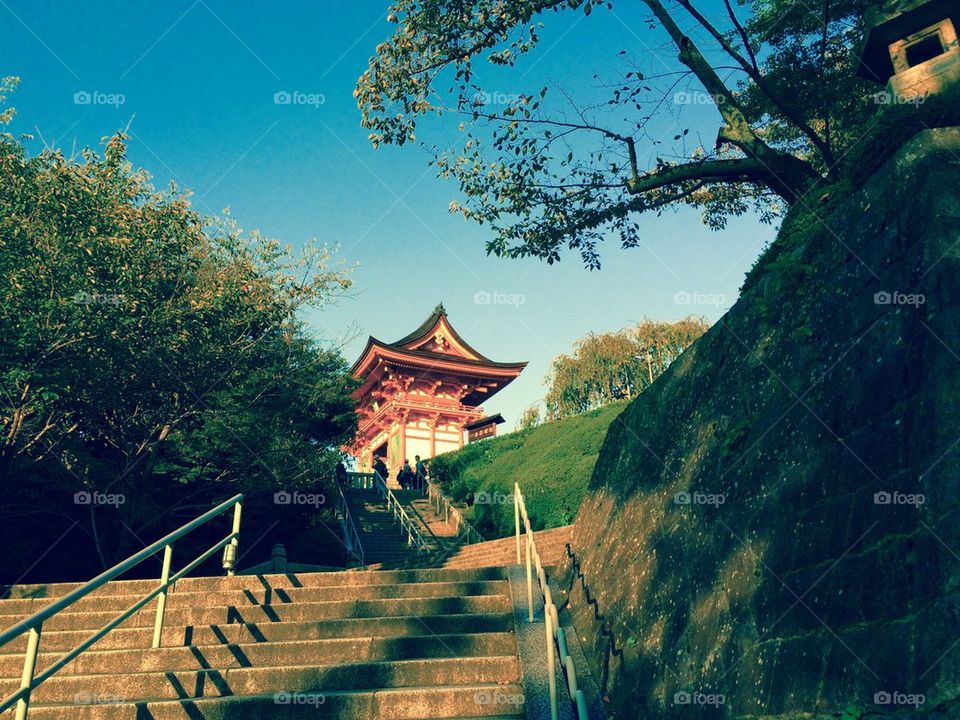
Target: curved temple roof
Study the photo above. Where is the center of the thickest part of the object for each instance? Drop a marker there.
(434, 342)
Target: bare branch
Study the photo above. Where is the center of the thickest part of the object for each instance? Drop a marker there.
(788, 176)
(750, 67)
(743, 36)
(733, 170)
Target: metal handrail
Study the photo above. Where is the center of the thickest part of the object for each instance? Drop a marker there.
(414, 537)
(400, 515)
(351, 534)
(464, 528)
(556, 638)
(34, 624)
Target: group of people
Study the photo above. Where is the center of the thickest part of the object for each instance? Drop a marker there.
(408, 477)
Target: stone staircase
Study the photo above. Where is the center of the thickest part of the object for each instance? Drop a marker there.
(384, 545)
(503, 552)
(385, 548)
(426, 643)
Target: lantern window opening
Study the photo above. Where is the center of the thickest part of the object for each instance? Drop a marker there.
(926, 47)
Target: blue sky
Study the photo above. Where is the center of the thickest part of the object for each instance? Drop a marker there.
(198, 80)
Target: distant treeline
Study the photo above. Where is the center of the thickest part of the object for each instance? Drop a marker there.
(605, 367)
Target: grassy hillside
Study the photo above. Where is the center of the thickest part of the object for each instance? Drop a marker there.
(552, 463)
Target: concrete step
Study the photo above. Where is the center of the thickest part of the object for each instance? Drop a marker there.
(11, 610)
(173, 685)
(404, 644)
(237, 633)
(383, 543)
(551, 545)
(350, 578)
(254, 614)
(434, 703)
(266, 654)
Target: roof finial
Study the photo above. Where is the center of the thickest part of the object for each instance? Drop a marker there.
(440, 309)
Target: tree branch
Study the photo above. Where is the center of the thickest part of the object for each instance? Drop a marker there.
(734, 170)
(743, 35)
(750, 67)
(793, 175)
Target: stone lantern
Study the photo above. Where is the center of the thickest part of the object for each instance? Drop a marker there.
(912, 46)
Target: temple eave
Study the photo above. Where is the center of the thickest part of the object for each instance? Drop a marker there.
(378, 351)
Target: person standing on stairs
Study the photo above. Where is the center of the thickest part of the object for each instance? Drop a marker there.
(380, 468)
(406, 476)
(421, 473)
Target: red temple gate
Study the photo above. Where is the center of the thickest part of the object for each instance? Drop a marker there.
(417, 394)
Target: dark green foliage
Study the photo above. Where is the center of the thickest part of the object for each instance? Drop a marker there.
(151, 353)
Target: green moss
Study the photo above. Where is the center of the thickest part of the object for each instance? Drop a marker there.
(735, 436)
(851, 712)
(552, 462)
(895, 126)
(787, 258)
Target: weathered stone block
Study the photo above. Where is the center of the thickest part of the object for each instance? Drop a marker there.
(825, 416)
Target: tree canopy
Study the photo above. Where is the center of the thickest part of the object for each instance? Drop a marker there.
(148, 353)
(547, 170)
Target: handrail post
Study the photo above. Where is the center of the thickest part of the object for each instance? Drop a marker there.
(516, 515)
(529, 581)
(29, 665)
(581, 701)
(235, 542)
(551, 661)
(162, 597)
(572, 681)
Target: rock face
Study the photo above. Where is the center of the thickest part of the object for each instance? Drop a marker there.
(776, 519)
